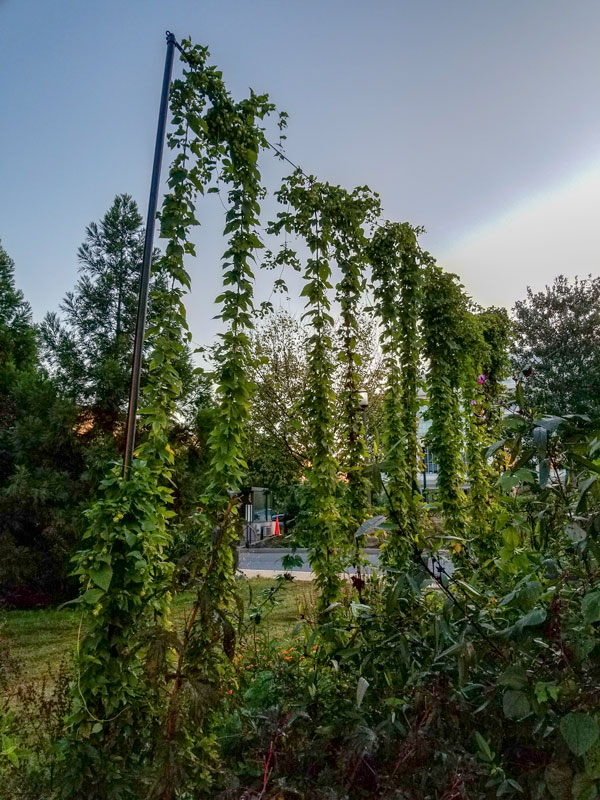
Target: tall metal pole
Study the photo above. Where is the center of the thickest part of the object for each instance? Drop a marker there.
(138, 347)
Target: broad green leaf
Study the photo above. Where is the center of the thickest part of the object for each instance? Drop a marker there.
(592, 760)
(540, 439)
(584, 788)
(546, 690)
(580, 731)
(559, 778)
(586, 486)
(361, 688)
(92, 596)
(514, 677)
(590, 606)
(494, 448)
(575, 532)
(515, 704)
(369, 525)
(550, 423)
(535, 617)
(102, 576)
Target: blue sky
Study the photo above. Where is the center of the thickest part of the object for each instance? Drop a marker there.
(478, 119)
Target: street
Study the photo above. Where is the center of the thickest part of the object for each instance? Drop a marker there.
(266, 562)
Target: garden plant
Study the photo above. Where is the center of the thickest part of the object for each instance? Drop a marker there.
(415, 682)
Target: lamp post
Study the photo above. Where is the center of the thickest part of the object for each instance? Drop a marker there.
(363, 404)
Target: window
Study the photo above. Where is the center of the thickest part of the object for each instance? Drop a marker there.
(430, 464)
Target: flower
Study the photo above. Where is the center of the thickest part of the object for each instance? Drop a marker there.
(481, 379)
(473, 402)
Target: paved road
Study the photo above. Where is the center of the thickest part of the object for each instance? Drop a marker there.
(266, 562)
(268, 559)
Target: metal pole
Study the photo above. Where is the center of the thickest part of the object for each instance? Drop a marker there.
(366, 427)
(136, 367)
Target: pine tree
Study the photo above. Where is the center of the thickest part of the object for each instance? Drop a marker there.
(88, 350)
(17, 335)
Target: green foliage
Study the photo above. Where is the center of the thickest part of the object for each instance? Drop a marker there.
(43, 464)
(557, 344)
(17, 336)
(124, 571)
(433, 685)
(88, 350)
(349, 215)
(331, 221)
(444, 318)
(397, 263)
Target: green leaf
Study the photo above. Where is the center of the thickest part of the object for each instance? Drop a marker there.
(361, 688)
(484, 747)
(494, 448)
(369, 525)
(586, 486)
(590, 606)
(540, 439)
(580, 731)
(592, 760)
(584, 788)
(535, 617)
(514, 677)
(558, 778)
(575, 532)
(546, 690)
(515, 704)
(102, 576)
(550, 423)
(92, 596)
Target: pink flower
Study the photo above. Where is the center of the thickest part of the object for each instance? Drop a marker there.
(481, 379)
(473, 402)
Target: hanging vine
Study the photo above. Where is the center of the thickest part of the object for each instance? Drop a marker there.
(444, 317)
(332, 222)
(130, 653)
(486, 337)
(303, 197)
(351, 214)
(125, 574)
(146, 696)
(397, 276)
(227, 137)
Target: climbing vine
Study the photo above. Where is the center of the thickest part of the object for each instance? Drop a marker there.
(351, 215)
(444, 317)
(130, 651)
(303, 198)
(125, 574)
(485, 340)
(397, 277)
(228, 138)
(146, 696)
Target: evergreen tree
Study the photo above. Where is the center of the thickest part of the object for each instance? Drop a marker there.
(17, 335)
(89, 350)
(41, 458)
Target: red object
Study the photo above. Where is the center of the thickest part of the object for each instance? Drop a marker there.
(277, 531)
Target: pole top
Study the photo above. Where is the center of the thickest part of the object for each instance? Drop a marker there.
(170, 38)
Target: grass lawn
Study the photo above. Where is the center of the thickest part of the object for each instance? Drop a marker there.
(39, 639)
